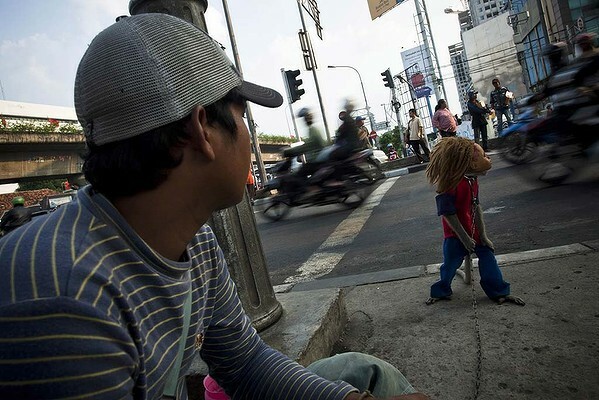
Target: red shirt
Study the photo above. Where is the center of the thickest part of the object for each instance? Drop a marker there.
(461, 201)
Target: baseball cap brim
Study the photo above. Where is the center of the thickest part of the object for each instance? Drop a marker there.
(260, 95)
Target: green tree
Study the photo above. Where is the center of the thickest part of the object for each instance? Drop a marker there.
(393, 137)
(53, 184)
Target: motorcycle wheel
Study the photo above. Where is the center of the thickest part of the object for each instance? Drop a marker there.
(356, 191)
(373, 169)
(517, 149)
(554, 163)
(275, 209)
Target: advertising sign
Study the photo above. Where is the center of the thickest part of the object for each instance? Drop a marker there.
(379, 7)
(419, 69)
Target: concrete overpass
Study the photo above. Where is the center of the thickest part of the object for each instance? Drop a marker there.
(26, 156)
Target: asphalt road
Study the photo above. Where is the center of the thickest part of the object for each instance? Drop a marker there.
(403, 230)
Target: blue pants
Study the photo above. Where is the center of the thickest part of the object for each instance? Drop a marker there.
(491, 279)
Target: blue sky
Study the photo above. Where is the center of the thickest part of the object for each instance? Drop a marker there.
(42, 41)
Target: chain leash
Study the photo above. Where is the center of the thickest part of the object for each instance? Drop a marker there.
(479, 354)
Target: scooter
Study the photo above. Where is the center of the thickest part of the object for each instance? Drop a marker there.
(342, 182)
(552, 148)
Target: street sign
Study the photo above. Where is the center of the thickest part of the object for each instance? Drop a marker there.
(379, 126)
(379, 7)
(423, 91)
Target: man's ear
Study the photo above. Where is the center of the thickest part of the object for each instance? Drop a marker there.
(201, 133)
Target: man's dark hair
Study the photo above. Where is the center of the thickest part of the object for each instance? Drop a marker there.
(143, 162)
(413, 110)
(495, 80)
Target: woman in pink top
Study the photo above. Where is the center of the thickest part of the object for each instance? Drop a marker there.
(444, 120)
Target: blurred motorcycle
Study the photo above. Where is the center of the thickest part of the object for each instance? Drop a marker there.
(342, 182)
(554, 147)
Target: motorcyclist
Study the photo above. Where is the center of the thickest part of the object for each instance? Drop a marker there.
(15, 217)
(313, 144)
(348, 137)
(391, 152)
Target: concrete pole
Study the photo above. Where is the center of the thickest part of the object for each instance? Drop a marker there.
(234, 227)
(248, 109)
(430, 48)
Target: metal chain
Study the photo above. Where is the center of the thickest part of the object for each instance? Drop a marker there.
(479, 354)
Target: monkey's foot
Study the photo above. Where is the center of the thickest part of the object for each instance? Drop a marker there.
(432, 300)
(510, 299)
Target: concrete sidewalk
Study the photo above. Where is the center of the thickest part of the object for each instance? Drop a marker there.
(548, 349)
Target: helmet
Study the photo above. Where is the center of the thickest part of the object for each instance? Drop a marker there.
(18, 201)
(554, 48)
(556, 54)
(360, 118)
(303, 112)
(472, 93)
(389, 145)
(587, 38)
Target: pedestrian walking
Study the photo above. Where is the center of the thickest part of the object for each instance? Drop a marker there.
(444, 120)
(112, 295)
(414, 136)
(478, 118)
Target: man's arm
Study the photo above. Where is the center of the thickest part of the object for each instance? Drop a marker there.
(244, 365)
(60, 348)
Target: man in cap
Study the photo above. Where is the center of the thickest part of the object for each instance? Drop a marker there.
(112, 292)
(478, 115)
(500, 101)
(363, 132)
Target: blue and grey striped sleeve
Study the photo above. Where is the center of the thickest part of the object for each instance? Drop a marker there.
(61, 348)
(244, 365)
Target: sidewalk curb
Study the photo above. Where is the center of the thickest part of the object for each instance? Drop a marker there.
(504, 260)
(404, 171)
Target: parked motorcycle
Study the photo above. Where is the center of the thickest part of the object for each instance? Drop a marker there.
(342, 182)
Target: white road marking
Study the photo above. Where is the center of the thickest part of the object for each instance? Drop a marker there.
(494, 210)
(332, 250)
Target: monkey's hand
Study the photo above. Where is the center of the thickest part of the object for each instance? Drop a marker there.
(456, 226)
(487, 242)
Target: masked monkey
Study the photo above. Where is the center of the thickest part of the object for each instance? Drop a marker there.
(455, 164)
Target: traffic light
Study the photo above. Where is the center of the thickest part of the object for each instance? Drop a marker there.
(388, 79)
(293, 85)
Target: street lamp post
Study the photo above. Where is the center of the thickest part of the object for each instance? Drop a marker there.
(363, 92)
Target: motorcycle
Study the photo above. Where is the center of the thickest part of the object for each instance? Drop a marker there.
(342, 182)
(552, 148)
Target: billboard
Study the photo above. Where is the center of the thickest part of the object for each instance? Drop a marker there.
(379, 7)
(417, 65)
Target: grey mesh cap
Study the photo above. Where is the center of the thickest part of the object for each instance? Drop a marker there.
(149, 70)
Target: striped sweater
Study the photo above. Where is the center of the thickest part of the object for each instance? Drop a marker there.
(88, 310)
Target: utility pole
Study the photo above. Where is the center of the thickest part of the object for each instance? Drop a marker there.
(324, 116)
(430, 48)
(248, 109)
(396, 106)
